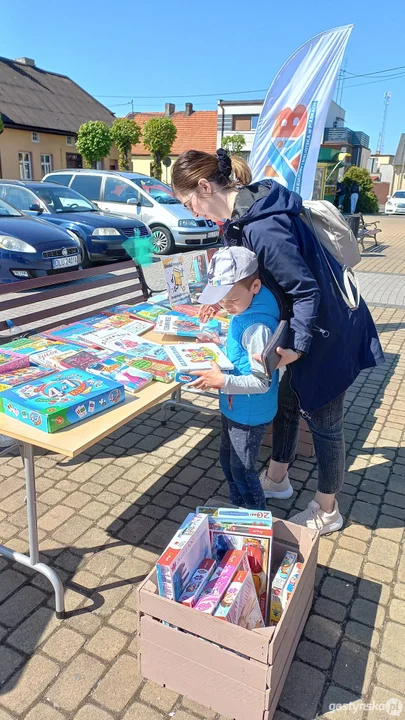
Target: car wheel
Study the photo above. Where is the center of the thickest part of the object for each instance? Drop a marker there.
(86, 262)
(163, 243)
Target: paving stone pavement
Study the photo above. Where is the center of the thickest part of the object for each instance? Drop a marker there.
(105, 516)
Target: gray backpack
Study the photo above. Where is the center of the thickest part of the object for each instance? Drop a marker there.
(333, 233)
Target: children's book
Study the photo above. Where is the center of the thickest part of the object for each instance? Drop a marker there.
(22, 376)
(175, 279)
(200, 268)
(161, 371)
(149, 350)
(131, 378)
(60, 399)
(81, 359)
(189, 546)
(28, 346)
(160, 299)
(51, 356)
(10, 360)
(71, 333)
(119, 321)
(195, 356)
(185, 326)
(146, 311)
(120, 339)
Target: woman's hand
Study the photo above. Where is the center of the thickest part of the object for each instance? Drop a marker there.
(207, 379)
(287, 357)
(207, 312)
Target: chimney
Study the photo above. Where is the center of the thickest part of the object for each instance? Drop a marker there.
(26, 61)
(189, 109)
(170, 108)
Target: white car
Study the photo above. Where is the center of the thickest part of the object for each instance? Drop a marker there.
(395, 204)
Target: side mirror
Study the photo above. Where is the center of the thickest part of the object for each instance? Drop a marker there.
(133, 201)
(36, 207)
(145, 202)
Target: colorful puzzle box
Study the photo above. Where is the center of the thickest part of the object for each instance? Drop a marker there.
(60, 399)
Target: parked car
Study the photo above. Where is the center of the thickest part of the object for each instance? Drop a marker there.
(145, 198)
(395, 204)
(31, 248)
(100, 234)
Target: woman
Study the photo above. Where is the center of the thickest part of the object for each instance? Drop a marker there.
(330, 343)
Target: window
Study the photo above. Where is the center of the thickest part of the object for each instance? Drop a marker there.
(46, 164)
(70, 140)
(88, 185)
(60, 179)
(62, 199)
(244, 123)
(20, 197)
(24, 162)
(36, 137)
(117, 190)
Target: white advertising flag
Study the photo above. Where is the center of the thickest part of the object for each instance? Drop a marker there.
(290, 128)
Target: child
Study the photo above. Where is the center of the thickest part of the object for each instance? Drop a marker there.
(248, 401)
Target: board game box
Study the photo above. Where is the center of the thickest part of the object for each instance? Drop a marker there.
(10, 360)
(188, 547)
(240, 605)
(195, 356)
(257, 541)
(232, 562)
(22, 376)
(244, 516)
(278, 585)
(132, 378)
(197, 582)
(60, 399)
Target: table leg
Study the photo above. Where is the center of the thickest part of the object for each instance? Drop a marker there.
(175, 402)
(33, 559)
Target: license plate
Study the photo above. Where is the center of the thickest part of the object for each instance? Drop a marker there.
(65, 262)
(213, 234)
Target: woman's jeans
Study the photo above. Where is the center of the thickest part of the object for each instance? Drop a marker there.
(326, 425)
(353, 202)
(240, 447)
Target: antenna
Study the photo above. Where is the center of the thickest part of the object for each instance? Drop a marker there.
(381, 137)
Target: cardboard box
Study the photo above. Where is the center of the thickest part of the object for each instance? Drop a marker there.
(61, 399)
(236, 672)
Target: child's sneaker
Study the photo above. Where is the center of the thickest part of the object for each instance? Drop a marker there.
(316, 519)
(271, 489)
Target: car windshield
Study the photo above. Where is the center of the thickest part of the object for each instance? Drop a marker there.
(159, 191)
(7, 210)
(61, 199)
(399, 194)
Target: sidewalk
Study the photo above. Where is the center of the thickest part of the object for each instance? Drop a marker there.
(105, 516)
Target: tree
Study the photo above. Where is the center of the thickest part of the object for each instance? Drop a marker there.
(93, 141)
(1, 124)
(233, 144)
(158, 134)
(367, 202)
(125, 133)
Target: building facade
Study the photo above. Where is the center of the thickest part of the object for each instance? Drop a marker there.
(42, 113)
(398, 179)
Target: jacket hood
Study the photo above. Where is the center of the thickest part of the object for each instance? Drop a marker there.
(263, 199)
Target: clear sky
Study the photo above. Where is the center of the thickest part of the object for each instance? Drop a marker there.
(199, 47)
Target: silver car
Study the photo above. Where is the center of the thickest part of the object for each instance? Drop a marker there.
(139, 196)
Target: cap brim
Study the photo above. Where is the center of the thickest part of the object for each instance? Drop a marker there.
(213, 294)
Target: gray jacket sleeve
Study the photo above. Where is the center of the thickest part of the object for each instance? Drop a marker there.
(254, 340)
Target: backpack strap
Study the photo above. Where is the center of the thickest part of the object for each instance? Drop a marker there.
(351, 296)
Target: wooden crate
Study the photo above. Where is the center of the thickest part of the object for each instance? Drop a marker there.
(305, 440)
(236, 672)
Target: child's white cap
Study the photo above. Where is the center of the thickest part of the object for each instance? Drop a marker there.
(227, 267)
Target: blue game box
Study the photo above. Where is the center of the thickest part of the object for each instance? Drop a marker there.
(61, 399)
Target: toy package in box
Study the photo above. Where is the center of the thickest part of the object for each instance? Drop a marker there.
(22, 376)
(60, 399)
(211, 596)
(257, 541)
(242, 515)
(240, 605)
(188, 547)
(10, 360)
(132, 378)
(292, 581)
(197, 582)
(278, 585)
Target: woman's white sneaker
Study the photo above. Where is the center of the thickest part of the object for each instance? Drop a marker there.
(271, 489)
(316, 519)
